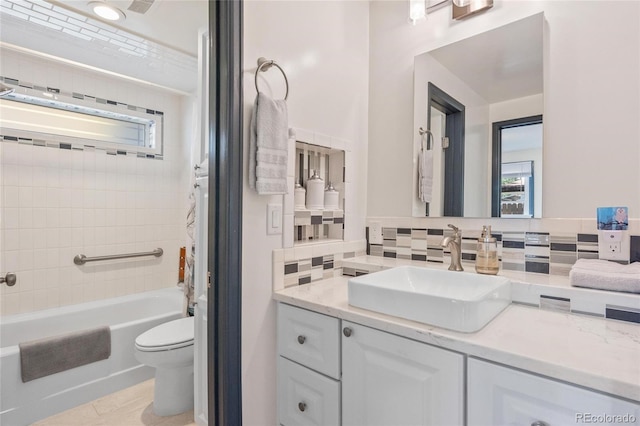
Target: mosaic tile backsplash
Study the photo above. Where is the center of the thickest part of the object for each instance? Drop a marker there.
(313, 225)
(539, 252)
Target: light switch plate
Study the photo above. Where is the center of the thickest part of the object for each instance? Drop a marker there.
(375, 233)
(274, 219)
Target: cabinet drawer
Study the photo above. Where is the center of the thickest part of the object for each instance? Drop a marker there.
(502, 396)
(310, 339)
(306, 397)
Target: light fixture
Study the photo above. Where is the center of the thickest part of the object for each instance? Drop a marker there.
(106, 11)
(463, 9)
(417, 10)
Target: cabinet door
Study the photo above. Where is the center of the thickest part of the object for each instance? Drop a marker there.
(306, 398)
(390, 380)
(502, 396)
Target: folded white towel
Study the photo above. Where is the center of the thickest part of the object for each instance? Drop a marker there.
(268, 146)
(425, 175)
(606, 275)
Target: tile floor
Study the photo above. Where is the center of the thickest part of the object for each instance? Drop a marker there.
(131, 406)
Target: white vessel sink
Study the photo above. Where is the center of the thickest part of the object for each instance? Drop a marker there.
(457, 301)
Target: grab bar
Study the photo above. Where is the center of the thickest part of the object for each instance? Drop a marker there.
(81, 259)
(10, 279)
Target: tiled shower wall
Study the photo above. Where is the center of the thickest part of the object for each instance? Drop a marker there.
(539, 251)
(57, 203)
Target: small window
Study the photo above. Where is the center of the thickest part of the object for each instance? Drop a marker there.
(80, 119)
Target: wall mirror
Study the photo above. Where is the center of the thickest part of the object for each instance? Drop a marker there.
(462, 90)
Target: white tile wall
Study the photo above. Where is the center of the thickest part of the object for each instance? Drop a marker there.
(55, 204)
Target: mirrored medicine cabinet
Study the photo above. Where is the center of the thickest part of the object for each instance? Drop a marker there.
(482, 94)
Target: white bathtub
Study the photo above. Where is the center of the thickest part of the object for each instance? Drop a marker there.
(128, 316)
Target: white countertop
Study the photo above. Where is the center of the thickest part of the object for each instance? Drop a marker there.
(592, 352)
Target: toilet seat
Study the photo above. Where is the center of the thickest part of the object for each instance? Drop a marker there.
(170, 335)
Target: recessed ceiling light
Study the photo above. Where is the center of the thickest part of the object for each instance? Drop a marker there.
(106, 11)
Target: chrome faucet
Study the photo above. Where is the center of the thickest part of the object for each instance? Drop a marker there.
(454, 242)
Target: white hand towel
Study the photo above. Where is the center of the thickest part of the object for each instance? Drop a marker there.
(606, 275)
(425, 175)
(268, 152)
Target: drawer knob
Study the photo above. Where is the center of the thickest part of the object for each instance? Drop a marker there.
(347, 332)
(539, 423)
(302, 406)
(301, 339)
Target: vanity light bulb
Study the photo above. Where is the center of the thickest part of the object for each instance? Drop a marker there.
(417, 10)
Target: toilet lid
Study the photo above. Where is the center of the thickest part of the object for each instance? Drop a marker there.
(170, 335)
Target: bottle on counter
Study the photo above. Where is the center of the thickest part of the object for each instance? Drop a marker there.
(487, 253)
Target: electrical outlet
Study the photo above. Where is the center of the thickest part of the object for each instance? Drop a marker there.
(611, 245)
(375, 233)
(612, 248)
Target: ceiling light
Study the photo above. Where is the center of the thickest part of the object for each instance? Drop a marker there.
(106, 11)
(461, 3)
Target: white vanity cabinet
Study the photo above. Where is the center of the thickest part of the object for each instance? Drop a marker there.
(392, 380)
(308, 368)
(330, 374)
(500, 395)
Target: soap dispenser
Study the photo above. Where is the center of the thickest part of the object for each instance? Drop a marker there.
(487, 253)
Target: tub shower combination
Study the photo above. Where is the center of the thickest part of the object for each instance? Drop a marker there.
(127, 317)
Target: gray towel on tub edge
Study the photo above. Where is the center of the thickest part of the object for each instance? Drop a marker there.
(43, 357)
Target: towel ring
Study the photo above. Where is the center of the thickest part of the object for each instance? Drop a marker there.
(263, 65)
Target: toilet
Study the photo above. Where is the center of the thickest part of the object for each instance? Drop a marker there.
(168, 348)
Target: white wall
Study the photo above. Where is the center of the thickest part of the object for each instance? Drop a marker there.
(323, 48)
(592, 69)
(58, 203)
